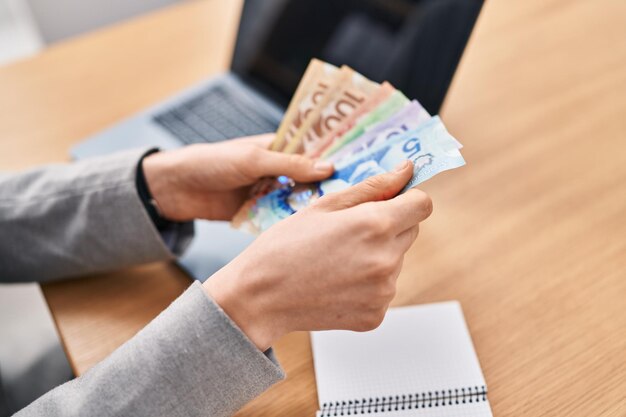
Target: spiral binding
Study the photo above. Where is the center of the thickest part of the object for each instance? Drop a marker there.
(429, 399)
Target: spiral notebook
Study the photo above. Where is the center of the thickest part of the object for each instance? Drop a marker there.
(419, 362)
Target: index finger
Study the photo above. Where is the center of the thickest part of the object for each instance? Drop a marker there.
(409, 208)
(263, 140)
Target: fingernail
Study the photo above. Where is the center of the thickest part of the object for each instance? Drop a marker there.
(323, 166)
(401, 166)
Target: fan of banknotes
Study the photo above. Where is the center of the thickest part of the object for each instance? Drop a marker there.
(363, 127)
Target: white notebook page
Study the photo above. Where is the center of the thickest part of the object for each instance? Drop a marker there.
(417, 349)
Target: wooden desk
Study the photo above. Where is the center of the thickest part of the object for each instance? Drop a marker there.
(530, 236)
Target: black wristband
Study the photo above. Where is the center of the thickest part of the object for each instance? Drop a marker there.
(160, 222)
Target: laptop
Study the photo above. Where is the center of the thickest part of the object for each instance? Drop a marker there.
(415, 44)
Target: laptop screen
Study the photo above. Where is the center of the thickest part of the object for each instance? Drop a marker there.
(414, 44)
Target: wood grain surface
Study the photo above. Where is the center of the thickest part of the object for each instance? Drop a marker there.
(530, 236)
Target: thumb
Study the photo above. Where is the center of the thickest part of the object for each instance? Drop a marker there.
(298, 167)
(377, 188)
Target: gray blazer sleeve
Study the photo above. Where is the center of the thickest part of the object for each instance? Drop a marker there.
(72, 219)
(192, 360)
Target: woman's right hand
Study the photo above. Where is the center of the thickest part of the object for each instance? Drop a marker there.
(332, 265)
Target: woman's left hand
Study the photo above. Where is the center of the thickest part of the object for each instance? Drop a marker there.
(211, 181)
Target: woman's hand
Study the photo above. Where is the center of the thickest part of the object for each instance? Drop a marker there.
(332, 265)
(211, 181)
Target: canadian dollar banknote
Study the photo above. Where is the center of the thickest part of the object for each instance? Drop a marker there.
(362, 127)
(429, 147)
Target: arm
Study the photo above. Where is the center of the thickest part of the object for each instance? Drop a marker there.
(84, 217)
(192, 360)
(73, 219)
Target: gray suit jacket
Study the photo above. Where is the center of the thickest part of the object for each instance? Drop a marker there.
(192, 360)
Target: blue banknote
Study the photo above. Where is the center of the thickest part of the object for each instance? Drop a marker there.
(429, 147)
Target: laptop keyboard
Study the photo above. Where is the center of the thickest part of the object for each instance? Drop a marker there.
(214, 115)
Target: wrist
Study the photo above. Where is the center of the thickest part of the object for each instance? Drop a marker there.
(246, 306)
(162, 172)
